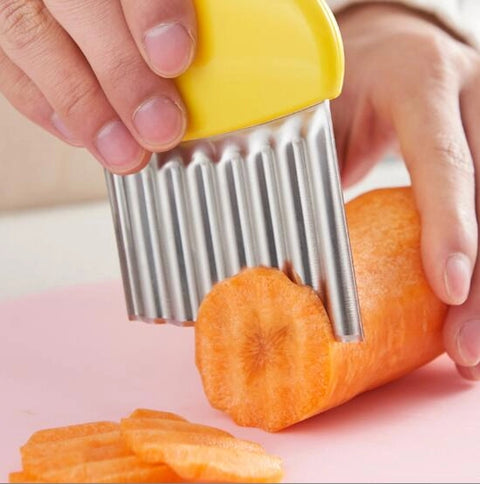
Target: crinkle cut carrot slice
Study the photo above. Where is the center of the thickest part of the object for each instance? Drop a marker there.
(208, 458)
(199, 452)
(78, 454)
(149, 413)
(149, 424)
(71, 432)
(123, 469)
(21, 477)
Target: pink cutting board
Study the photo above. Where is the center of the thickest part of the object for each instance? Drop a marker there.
(71, 356)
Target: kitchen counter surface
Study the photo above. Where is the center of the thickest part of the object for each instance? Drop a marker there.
(70, 356)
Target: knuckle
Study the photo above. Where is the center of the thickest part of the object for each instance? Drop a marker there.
(22, 22)
(461, 218)
(15, 85)
(454, 155)
(21, 90)
(122, 69)
(76, 100)
(472, 80)
(435, 46)
(439, 62)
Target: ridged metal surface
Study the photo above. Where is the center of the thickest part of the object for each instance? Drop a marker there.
(269, 195)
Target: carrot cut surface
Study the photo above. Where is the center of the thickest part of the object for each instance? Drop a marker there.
(222, 464)
(21, 476)
(71, 432)
(147, 446)
(149, 413)
(122, 469)
(92, 452)
(215, 459)
(87, 444)
(198, 452)
(148, 425)
(264, 344)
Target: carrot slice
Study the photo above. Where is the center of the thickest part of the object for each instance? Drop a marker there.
(149, 413)
(21, 476)
(74, 452)
(148, 446)
(198, 452)
(160, 425)
(85, 443)
(155, 440)
(264, 345)
(213, 463)
(208, 458)
(71, 432)
(79, 454)
(124, 469)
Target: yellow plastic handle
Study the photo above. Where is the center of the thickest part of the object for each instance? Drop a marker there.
(259, 60)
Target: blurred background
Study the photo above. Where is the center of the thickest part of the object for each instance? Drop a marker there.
(55, 222)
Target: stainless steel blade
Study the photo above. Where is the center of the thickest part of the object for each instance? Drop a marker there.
(269, 195)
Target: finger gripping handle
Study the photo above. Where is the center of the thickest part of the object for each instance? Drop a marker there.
(259, 60)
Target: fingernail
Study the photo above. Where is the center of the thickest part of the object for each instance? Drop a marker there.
(159, 122)
(61, 127)
(469, 372)
(170, 48)
(468, 341)
(458, 274)
(118, 148)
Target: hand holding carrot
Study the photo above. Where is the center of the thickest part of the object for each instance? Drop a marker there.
(409, 80)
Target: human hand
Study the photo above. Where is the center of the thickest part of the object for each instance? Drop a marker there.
(410, 81)
(96, 73)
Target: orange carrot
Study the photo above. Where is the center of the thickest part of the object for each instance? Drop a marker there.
(92, 452)
(22, 477)
(264, 345)
(198, 452)
(160, 426)
(70, 432)
(149, 413)
(147, 446)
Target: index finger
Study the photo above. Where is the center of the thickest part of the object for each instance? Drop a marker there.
(165, 33)
(430, 130)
